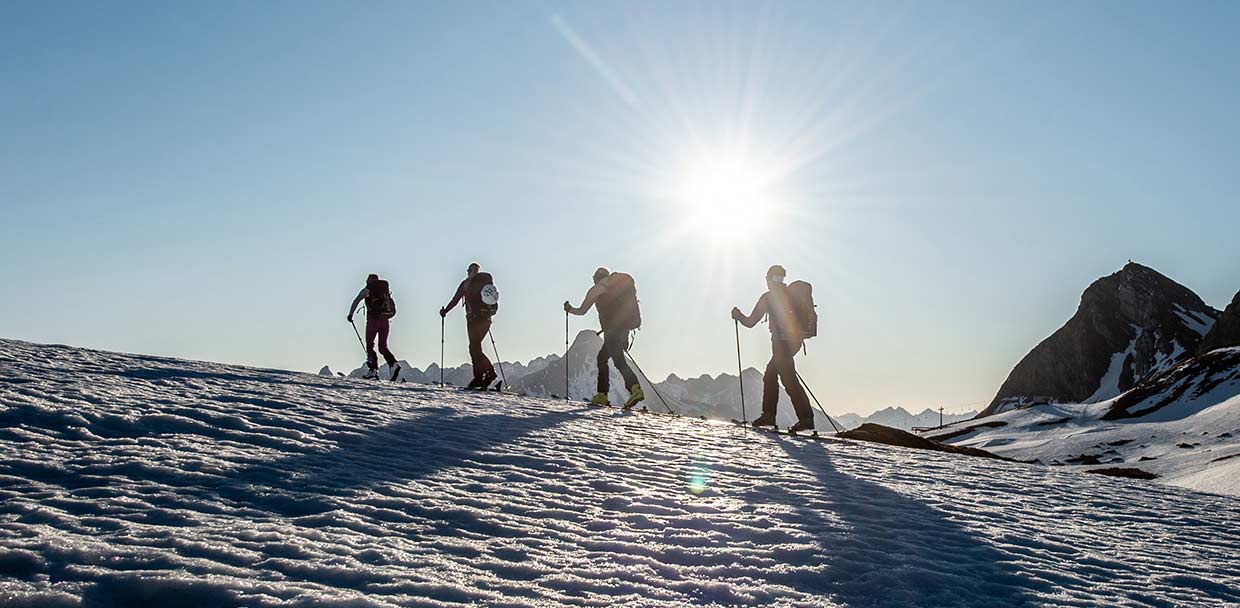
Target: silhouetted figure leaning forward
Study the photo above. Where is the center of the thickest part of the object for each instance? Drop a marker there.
(784, 307)
(615, 296)
(380, 309)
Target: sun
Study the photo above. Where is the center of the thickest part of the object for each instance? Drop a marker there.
(725, 195)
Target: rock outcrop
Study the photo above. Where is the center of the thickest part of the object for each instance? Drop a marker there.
(1226, 331)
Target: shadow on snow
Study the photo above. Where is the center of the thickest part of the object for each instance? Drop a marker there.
(886, 549)
(435, 440)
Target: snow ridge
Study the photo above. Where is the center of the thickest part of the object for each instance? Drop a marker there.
(166, 482)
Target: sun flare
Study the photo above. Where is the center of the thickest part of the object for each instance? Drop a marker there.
(725, 195)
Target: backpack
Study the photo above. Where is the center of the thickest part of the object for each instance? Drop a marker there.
(801, 301)
(482, 296)
(379, 302)
(792, 314)
(618, 308)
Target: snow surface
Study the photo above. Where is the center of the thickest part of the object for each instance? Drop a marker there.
(1192, 442)
(142, 480)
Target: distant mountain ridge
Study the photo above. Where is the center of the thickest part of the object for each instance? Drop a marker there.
(713, 397)
(900, 418)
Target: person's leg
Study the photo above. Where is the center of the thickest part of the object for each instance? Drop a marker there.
(477, 358)
(615, 344)
(787, 368)
(604, 374)
(372, 330)
(484, 329)
(770, 387)
(385, 328)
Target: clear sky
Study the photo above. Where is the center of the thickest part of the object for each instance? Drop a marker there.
(213, 180)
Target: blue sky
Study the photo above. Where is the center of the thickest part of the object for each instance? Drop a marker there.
(214, 180)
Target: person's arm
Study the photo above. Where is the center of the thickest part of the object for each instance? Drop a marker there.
(361, 295)
(759, 310)
(456, 299)
(592, 296)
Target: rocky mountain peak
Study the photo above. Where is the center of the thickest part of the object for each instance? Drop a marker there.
(1142, 296)
(1130, 325)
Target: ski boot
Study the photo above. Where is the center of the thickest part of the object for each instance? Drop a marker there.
(764, 420)
(635, 396)
(395, 367)
(600, 399)
(802, 425)
(488, 378)
(373, 374)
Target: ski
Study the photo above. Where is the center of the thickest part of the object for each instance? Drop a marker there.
(813, 434)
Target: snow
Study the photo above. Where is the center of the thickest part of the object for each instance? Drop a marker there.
(1189, 442)
(143, 480)
(1194, 320)
(1165, 361)
(1108, 386)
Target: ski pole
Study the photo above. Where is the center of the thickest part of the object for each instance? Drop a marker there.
(441, 324)
(497, 361)
(359, 337)
(824, 412)
(566, 355)
(740, 379)
(652, 386)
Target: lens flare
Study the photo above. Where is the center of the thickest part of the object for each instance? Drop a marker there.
(699, 477)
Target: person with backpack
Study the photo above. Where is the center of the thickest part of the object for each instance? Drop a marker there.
(615, 296)
(380, 309)
(792, 320)
(481, 303)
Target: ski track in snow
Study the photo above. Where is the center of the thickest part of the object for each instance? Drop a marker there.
(147, 480)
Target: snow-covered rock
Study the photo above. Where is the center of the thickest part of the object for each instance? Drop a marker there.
(1183, 425)
(160, 482)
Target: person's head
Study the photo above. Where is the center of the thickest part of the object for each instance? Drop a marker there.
(600, 274)
(372, 278)
(473, 269)
(775, 275)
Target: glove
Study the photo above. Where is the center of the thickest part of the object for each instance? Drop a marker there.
(737, 315)
(567, 307)
(443, 312)
(349, 318)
